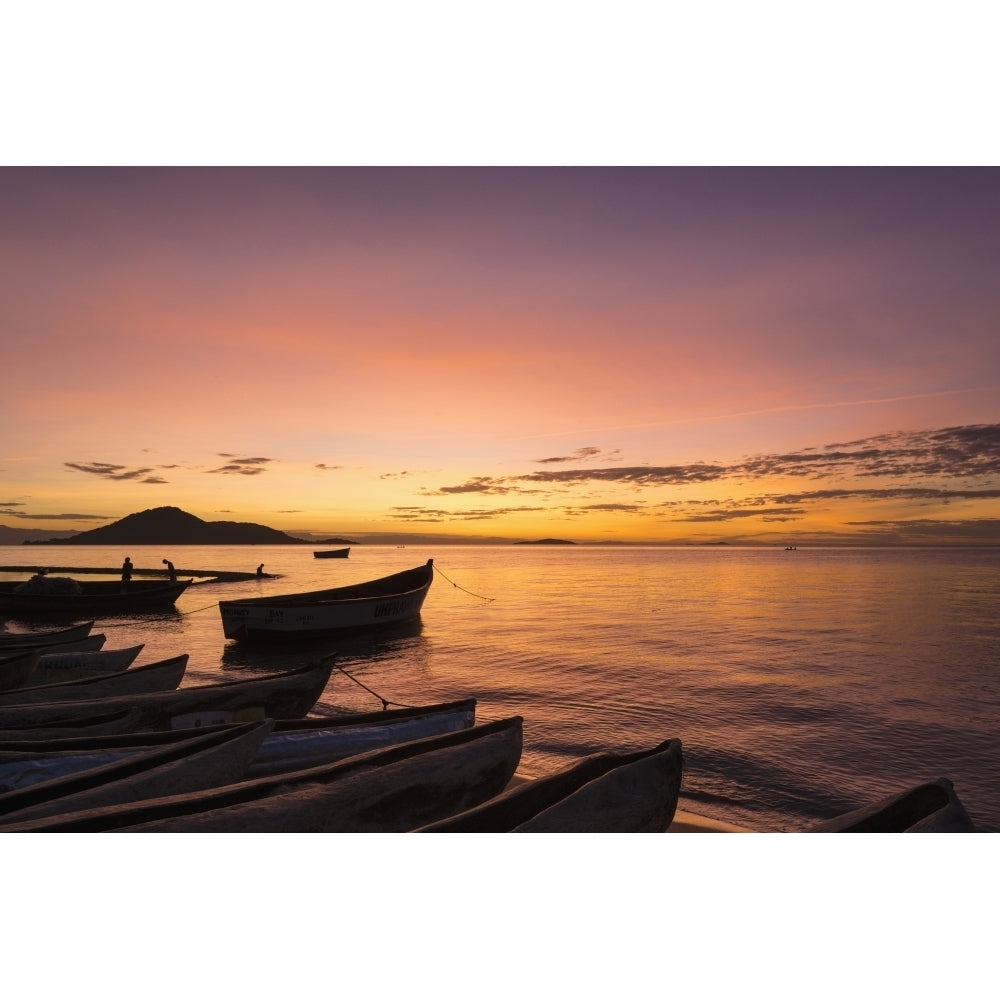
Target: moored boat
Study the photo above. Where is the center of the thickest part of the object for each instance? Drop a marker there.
(288, 695)
(97, 723)
(292, 744)
(85, 644)
(55, 667)
(390, 790)
(99, 597)
(360, 607)
(932, 807)
(203, 761)
(44, 636)
(16, 668)
(163, 675)
(603, 793)
(332, 554)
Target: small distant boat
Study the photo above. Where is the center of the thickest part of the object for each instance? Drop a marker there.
(98, 597)
(332, 554)
(360, 607)
(933, 807)
(603, 793)
(43, 637)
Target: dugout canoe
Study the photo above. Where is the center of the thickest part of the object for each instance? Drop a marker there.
(292, 744)
(53, 668)
(16, 668)
(360, 607)
(178, 769)
(87, 644)
(287, 695)
(603, 793)
(162, 675)
(932, 807)
(114, 723)
(95, 597)
(332, 554)
(80, 631)
(389, 790)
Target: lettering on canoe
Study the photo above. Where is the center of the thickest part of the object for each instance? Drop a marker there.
(390, 609)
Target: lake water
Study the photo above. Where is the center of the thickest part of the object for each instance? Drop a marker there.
(801, 683)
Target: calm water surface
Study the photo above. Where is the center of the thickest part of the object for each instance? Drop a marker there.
(801, 684)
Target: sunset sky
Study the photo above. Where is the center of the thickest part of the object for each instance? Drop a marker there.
(691, 355)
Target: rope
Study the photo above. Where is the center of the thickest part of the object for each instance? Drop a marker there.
(469, 592)
(385, 702)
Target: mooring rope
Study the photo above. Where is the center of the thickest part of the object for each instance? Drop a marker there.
(478, 597)
(385, 702)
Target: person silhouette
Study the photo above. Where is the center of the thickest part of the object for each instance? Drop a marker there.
(260, 570)
(170, 570)
(126, 572)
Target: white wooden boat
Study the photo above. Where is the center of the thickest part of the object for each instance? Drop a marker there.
(52, 668)
(358, 607)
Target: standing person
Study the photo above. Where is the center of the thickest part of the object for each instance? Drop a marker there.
(126, 573)
(170, 570)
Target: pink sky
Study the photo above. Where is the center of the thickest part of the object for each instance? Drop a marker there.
(791, 355)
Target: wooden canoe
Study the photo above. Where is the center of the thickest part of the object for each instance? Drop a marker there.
(96, 597)
(293, 744)
(80, 631)
(288, 695)
(332, 554)
(178, 769)
(54, 668)
(115, 723)
(87, 643)
(603, 793)
(933, 807)
(390, 790)
(162, 675)
(360, 607)
(16, 668)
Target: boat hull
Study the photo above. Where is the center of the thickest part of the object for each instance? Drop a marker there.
(368, 607)
(95, 598)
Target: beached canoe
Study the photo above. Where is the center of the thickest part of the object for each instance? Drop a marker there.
(288, 695)
(52, 668)
(99, 723)
(16, 668)
(360, 607)
(603, 793)
(390, 790)
(332, 554)
(46, 635)
(933, 807)
(85, 644)
(293, 744)
(204, 761)
(94, 597)
(162, 675)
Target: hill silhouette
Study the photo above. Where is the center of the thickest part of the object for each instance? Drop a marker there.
(173, 526)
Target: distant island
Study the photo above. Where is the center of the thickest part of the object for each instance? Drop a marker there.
(547, 541)
(173, 526)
